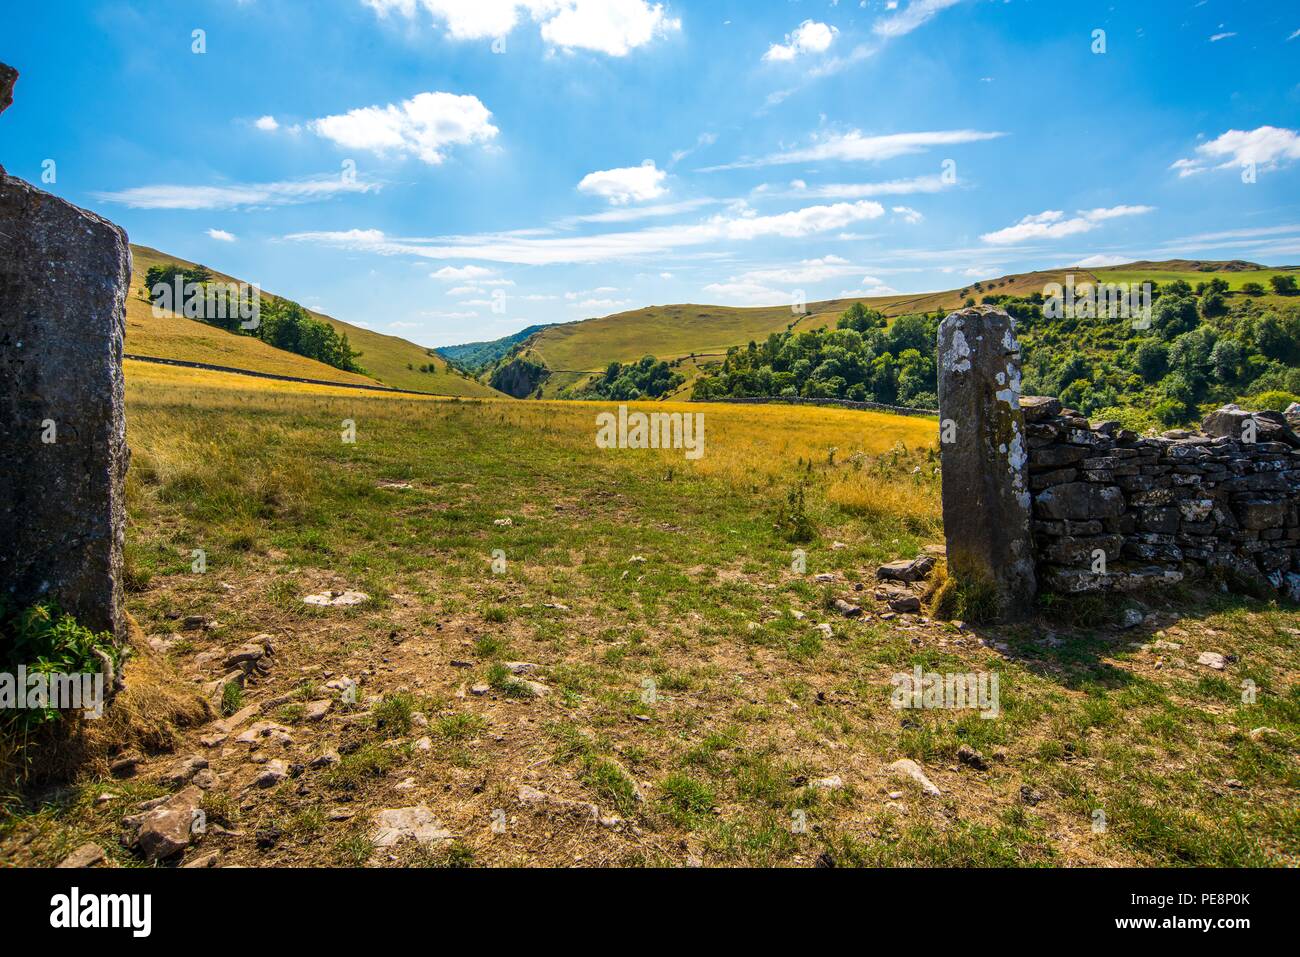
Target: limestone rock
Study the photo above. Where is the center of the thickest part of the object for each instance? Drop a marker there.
(336, 599)
(1037, 408)
(908, 768)
(88, 855)
(1079, 501)
(1212, 659)
(907, 570)
(417, 823)
(274, 772)
(847, 609)
(164, 830)
(184, 770)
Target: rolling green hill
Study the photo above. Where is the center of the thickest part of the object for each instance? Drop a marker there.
(388, 360)
(695, 335)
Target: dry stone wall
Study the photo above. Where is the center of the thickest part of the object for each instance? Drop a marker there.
(1116, 511)
(1103, 508)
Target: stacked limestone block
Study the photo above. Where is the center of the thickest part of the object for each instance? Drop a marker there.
(1116, 511)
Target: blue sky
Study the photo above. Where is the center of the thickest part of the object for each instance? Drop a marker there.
(454, 170)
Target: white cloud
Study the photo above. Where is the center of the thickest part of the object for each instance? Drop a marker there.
(917, 13)
(871, 286)
(630, 213)
(747, 293)
(809, 37)
(221, 235)
(899, 187)
(1221, 36)
(855, 147)
(778, 284)
(1052, 224)
(907, 214)
(1100, 261)
(1267, 147)
(614, 27)
(425, 125)
(461, 273)
(1293, 36)
(603, 247)
(284, 193)
(607, 26)
(267, 123)
(590, 304)
(807, 271)
(629, 184)
(701, 141)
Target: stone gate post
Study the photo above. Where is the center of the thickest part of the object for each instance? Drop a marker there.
(64, 275)
(986, 500)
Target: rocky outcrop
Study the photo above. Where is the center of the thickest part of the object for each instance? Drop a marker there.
(519, 378)
(1116, 512)
(64, 274)
(8, 77)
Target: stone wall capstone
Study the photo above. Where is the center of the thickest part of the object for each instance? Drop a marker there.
(64, 275)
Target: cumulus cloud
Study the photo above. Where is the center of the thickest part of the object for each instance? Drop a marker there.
(809, 37)
(613, 27)
(221, 235)
(231, 196)
(266, 123)
(424, 126)
(854, 147)
(603, 247)
(630, 184)
(1053, 224)
(1267, 147)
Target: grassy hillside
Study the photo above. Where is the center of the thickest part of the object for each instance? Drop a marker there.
(698, 334)
(175, 337)
(624, 567)
(474, 357)
(385, 358)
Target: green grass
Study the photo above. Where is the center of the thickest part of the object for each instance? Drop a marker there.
(751, 705)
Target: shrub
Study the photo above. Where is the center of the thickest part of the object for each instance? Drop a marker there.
(44, 639)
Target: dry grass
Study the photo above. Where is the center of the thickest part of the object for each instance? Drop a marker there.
(752, 703)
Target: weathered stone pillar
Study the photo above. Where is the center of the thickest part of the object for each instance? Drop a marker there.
(986, 502)
(64, 275)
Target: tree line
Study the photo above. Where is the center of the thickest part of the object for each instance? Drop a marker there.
(281, 323)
